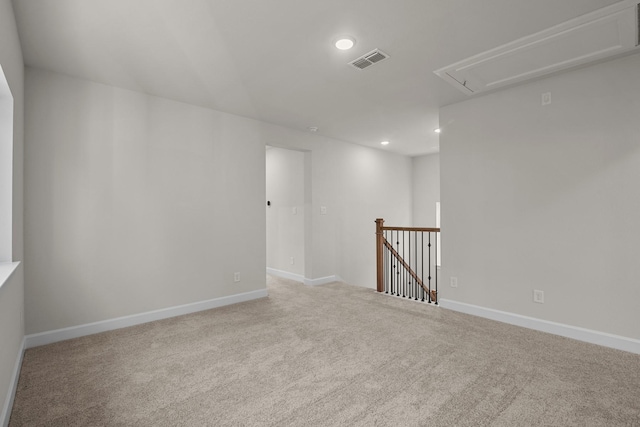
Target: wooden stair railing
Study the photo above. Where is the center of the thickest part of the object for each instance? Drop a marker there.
(398, 268)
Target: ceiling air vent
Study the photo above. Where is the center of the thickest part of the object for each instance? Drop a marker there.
(607, 32)
(369, 59)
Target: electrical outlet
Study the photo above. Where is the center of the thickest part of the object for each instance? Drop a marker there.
(236, 277)
(294, 210)
(546, 98)
(538, 296)
(323, 210)
(453, 281)
(291, 261)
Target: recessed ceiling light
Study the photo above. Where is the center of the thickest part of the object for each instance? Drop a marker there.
(437, 130)
(345, 42)
(385, 143)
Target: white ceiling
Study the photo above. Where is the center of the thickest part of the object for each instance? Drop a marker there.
(273, 60)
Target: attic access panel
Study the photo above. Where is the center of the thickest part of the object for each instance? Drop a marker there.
(604, 33)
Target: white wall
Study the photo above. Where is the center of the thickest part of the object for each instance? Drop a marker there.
(426, 189)
(547, 198)
(135, 203)
(12, 292)
(357, 185)
(11, 336)
(285, 182)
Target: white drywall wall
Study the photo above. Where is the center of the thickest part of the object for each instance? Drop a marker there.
(426, 189)
(135, 203)
(547, 198)
(12, 292)
(11, 334)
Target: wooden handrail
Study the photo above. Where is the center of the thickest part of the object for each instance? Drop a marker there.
(431, 230)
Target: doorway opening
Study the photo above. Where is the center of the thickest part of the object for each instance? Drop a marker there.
(288, 194)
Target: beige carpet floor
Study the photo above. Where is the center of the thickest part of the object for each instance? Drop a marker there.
(333, 355)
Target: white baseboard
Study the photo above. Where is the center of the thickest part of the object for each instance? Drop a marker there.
(581, 334)
(49, 337)
(301, 278)
(285, 275)
(13, 386)
(322, 280)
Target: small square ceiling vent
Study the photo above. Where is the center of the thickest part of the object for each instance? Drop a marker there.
(607, 32)
(368, 59)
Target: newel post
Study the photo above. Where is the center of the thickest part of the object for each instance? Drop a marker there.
(379, 257)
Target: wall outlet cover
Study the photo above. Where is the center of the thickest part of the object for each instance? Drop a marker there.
(538, 296)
